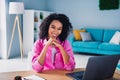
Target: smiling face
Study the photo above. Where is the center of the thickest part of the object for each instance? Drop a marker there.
(55, 29)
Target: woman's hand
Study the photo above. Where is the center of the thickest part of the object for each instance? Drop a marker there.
(53, 42)
(56, 43)
(49, 42)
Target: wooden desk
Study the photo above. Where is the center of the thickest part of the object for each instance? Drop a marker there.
(49, 75)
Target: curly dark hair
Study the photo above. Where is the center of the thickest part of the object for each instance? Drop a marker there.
(67, 27)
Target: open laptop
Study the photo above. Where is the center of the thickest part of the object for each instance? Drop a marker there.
(98, 68)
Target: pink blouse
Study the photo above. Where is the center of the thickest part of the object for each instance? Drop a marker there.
(58, 59)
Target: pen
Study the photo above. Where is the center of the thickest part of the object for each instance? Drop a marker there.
(26, 79)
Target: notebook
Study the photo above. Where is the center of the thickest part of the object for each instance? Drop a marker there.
(98, 68)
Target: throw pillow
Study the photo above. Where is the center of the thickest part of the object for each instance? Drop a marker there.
(116, 38)
(77, 34)
(86, 36)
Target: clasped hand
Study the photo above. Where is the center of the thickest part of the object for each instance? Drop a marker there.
(53, 42)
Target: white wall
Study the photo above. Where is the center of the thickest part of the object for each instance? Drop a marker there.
(3, 31)
(86, 13)
(0, 29)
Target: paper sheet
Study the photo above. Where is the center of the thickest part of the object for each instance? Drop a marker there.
(33, 77)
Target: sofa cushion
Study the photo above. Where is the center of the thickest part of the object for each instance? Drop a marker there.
(92, 45)
(77, 34)
(115, 38)
(108, 46)
(96, 34)
(86, 36)
(108, 35)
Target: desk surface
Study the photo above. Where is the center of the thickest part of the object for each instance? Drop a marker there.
(49, 75)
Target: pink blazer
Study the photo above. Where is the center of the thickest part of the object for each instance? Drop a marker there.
(58, 60)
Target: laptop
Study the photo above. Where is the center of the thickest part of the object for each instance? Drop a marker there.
(98, 68)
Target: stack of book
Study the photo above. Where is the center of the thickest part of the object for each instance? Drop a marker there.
(118, 69)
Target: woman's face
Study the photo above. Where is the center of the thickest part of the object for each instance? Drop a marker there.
(55, 29)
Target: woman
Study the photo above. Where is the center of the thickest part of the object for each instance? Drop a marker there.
(52, 50)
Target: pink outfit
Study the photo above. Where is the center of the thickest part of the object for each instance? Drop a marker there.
(58, 60)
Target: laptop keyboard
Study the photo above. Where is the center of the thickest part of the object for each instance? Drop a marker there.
(80, 76)
(76, 75)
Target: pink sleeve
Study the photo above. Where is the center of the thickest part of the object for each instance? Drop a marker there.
(71, 64)
(37, 49)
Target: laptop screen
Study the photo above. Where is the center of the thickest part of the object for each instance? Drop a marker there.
(98, 68)
(101, 67)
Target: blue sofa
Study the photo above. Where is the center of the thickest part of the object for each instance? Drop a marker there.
(99, 45)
